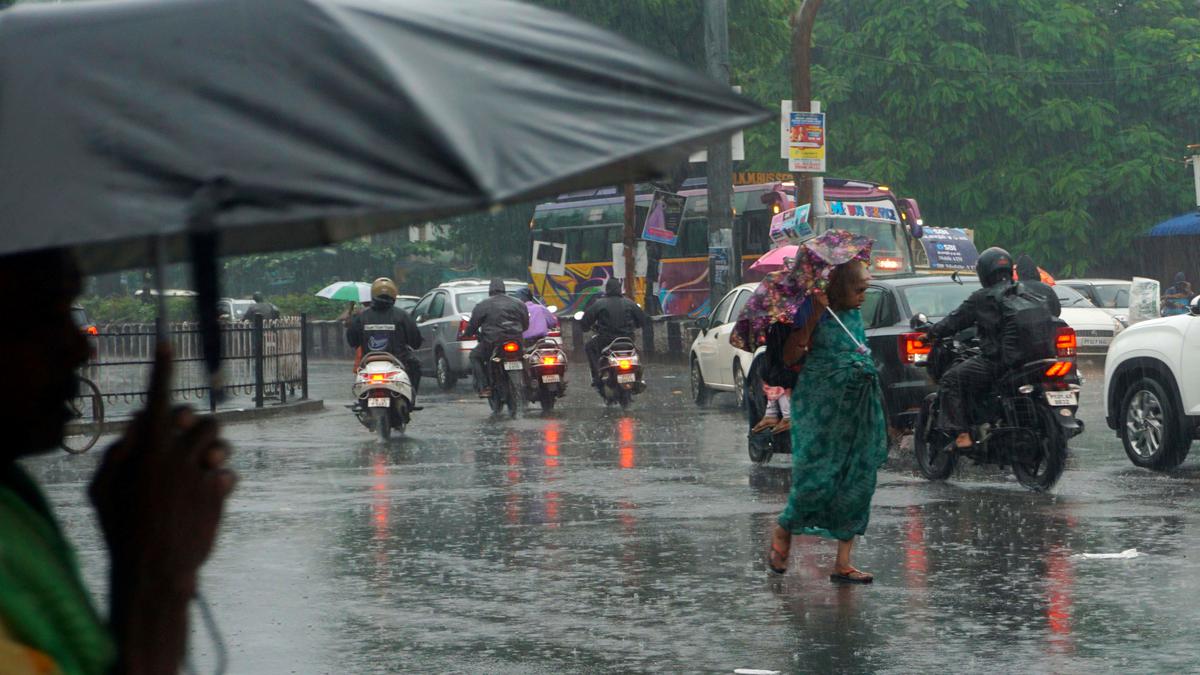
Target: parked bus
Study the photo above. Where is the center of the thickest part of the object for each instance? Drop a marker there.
(589, 222)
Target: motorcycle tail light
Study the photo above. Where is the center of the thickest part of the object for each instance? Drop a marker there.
(378, 377)
(912, 349)
(1065, 342)
(1059, 369)
(511, 347)
(554, 333)
(625, 364)
(549, 360)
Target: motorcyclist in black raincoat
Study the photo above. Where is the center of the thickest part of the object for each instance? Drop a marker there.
(494, 321)
(612, 316)
(383, 327)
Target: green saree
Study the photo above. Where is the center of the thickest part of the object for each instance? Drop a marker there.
(839, 437)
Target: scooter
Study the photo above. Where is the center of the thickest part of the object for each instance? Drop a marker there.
(547, 366)
(384, 394)
(510, 379)
(620, 372)
(1023, 423)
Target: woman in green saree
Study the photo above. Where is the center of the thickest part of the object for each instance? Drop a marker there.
(839, 437)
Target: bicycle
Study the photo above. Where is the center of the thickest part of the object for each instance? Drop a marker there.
(87, 418)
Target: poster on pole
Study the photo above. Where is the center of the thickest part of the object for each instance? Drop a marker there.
(806, 142)
(791, 227)
(549, 258)
(664, 218)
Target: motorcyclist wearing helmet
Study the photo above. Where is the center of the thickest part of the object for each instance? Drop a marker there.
(613, 316)
(975, 375)
(261, 308)
(496, 320)
(384, 327)
(541, 319)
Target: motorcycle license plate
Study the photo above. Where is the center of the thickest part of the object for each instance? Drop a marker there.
(627, 377)
(551, 378)
(379, 402)
(1061, 398)
(513, 365)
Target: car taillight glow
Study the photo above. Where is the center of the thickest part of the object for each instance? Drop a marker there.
(624, 364)
(1064, 342)
(912, 350)
(92, 330)
(1059, 369)
(888, 263)
(462, 328)
(511, 347)
(556, 333)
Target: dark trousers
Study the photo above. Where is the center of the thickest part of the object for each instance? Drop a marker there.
(412, 366)
(593, 347)
(959, 385)
(479, 370)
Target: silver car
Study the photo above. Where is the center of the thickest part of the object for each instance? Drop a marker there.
(443, 314)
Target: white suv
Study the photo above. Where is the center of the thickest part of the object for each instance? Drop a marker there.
(1152, 388)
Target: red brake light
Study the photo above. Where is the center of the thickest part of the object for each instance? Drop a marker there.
(624, 364)
(549, 360)
(92, 330)
(554, 332)
(1064, 342)
(912, 349)
(511, 347)
(377, 377)
(462, 328)
(1059, 369)
(890, 264)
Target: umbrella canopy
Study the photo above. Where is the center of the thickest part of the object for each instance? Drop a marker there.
(297, 123)
(775, 259)
(351, 291)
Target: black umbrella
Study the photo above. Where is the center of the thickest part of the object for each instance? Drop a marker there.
(241, 126)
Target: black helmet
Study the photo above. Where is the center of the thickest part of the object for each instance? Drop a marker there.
(258, 297)
(995, 265)
(524, 295)
(612, 287)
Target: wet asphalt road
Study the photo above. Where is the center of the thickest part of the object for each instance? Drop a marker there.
(596, 540)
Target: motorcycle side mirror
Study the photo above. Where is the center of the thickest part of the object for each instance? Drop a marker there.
(955, 278)
(578, 316)
(919, 319)
(553, 309)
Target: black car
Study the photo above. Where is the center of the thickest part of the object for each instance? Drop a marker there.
(887, 312)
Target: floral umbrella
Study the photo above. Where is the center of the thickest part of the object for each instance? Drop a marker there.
(782, 297)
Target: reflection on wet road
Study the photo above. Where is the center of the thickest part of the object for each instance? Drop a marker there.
(591, 539)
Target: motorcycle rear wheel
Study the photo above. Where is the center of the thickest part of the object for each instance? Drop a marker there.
(1043, 474)
(547, 401)
(383, 423)
(516, 392)
(624, 397)
(929, 443)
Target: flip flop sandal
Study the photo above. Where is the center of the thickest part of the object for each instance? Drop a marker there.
(783, 556)
(764, 424)
(851, 576)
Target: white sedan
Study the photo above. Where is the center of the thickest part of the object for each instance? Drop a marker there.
(717, 365)
(1094, 328)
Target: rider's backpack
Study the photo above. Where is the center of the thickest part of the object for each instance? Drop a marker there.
(1026, 327)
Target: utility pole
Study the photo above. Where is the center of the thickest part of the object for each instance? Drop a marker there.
(629, 239)
(1195, 162)
(720, 161)
(802, 27)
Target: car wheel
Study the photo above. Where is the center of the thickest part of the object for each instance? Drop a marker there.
(446, 378)
(1150, 428)
(701, 394)
(739, 386)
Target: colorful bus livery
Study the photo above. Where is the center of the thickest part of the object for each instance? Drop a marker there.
(590, 222)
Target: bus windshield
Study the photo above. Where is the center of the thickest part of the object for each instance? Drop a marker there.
(890, 253)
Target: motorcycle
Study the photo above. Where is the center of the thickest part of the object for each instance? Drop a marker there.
(384, 394)
(1024, 422)
(510, 378)
(547, 366)
(620, 372)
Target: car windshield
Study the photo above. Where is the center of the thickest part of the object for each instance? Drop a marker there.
(1069, 297)
(467, 301)
(1112, 296)
(938, 300)
(240, 307)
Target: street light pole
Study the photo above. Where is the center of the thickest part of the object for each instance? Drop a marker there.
(802, 27)
(720, 161)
